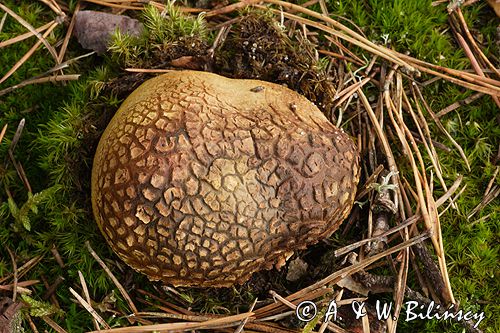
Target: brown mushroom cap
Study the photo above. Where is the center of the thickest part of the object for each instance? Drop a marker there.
(201, 180)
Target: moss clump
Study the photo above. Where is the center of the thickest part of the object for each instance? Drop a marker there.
(168, 35)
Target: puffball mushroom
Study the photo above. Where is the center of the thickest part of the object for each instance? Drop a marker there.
(201, 180)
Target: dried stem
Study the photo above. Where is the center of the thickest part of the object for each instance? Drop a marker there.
(28, 54)
(112, 277)
(31, 29)
(24, 36)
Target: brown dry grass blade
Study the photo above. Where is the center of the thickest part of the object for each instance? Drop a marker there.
(31, 29)
(28, 54)
(23, 269)
(62, 51)
(52, 4)
(53, 78)
(24, 36)
(112, 277)
(89, 308)
(114, 4)
(54, 325)
(184, 326)
(2, 133)
(87, 298)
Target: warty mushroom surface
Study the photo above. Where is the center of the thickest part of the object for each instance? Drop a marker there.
(201, 180)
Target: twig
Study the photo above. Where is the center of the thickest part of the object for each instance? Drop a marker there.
(342, 273)
(20, 285)
(184, 326)
(435, 143)
(492, 195)
(30, 322)
(148, 70)
(231, 8)
(357, 40)
(33, 30)
(28, 54)
(2, 133)
(112, 277)
(456, 105)
(114, 5)
(292, 306)
(450, 192)
(240, 328)
(339, 56)
(64, 46)
(18, 166)
(24, 36)
(474, 44)
(20, 171)
(427, 204)
(348, 248)
(277, 316)
(57, 256)
(428, 144)
(23, 269)
(53, 324)
(491, 182)
(440, 125)
(170, 315)
(274, 308)
(368, 183)
(14, 269)
(487, 86)
(53, 5)
(53, 78)
(383, 139)
(453, 200)
(63, 65)
(89, 308)
(474, 62)
(172, 308)
(89, 302)
(2, 22)
(51, 289)
(347, 92)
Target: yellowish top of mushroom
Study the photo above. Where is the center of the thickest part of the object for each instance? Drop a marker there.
(201, 180)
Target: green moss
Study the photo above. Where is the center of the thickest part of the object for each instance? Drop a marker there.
(167, 35)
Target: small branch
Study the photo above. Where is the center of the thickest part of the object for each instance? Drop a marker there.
(89, 308)
(24, 36)
(28, 54)
(112, 277)
(32, 30)
(54, 78)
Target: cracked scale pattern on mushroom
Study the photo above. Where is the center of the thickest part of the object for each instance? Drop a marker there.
(202, 180)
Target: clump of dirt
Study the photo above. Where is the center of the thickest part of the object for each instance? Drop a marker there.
(190, 46)
(258, 48)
